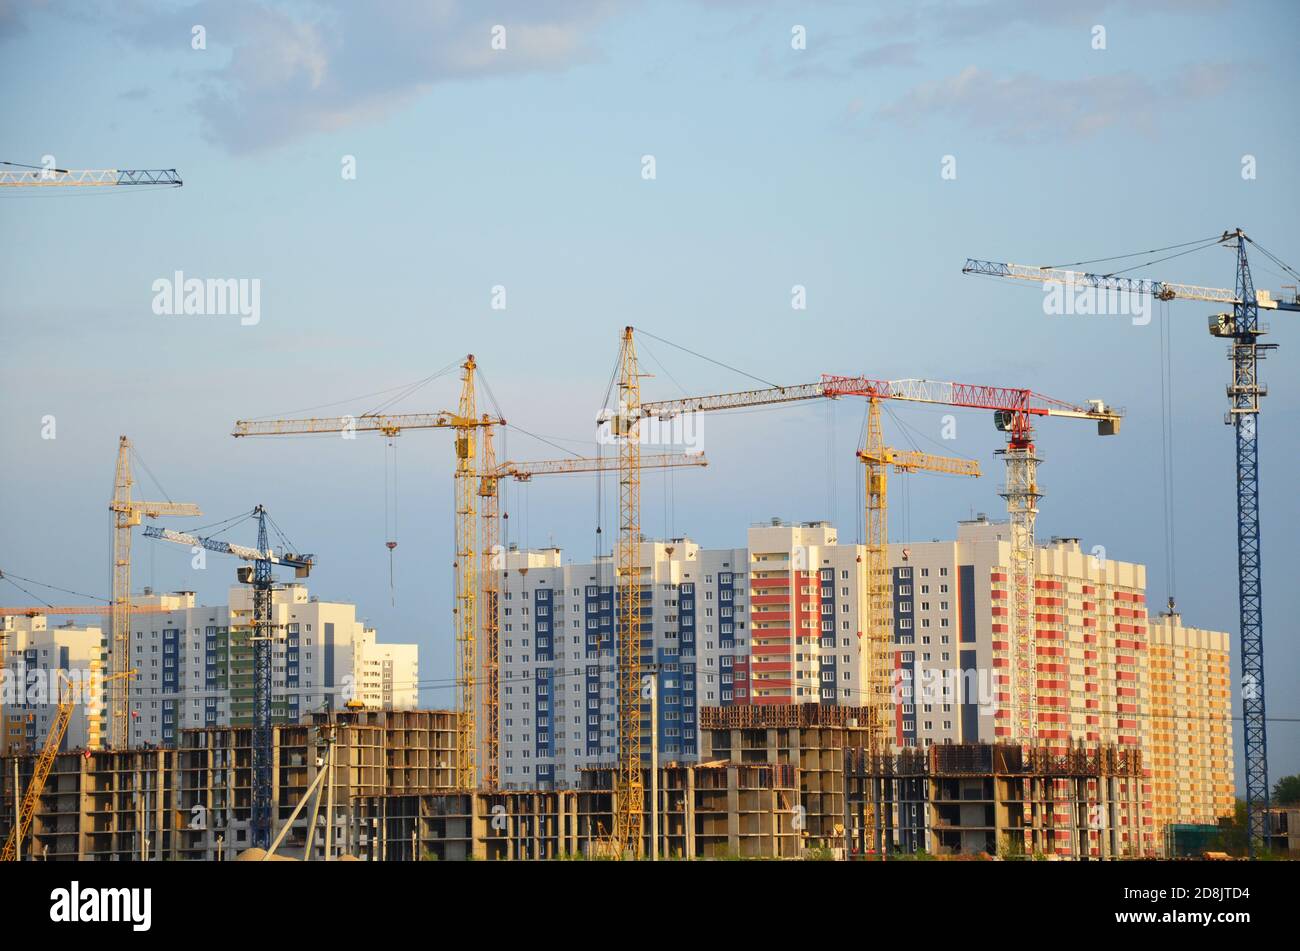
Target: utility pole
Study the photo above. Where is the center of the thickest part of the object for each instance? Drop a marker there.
(652, 685)
(329, 796)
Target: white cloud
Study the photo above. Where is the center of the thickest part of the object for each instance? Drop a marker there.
(288, 71)
(1027, 107)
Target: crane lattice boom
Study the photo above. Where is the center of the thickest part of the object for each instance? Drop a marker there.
(387, 424)
(1160, 290)
(81, 177)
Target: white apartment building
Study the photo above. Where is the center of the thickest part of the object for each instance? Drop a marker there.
(557, 699)
(781, 622)
(195, 668)
(713, 624)
(390, 675)
(952, 641)
(34, 654)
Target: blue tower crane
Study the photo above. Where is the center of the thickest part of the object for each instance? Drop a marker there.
(263, 559)
(1242, 328)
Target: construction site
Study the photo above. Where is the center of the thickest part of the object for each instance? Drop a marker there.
(767, 775)
(748, 771)
(940, 681)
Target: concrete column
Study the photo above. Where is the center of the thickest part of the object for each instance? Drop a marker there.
(733, 813)
(688, 810)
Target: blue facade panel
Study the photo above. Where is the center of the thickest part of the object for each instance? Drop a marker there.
(905, 643)
(170, 683)
(543, 625)
(829, 683)
(544, 738)
(966, 603)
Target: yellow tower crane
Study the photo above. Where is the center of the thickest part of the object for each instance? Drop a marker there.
(493, 561)
(477, 478)
(464, 423)
(876, 459)
(127, 513)
(466, 588)
(629, 786)
(68, 700)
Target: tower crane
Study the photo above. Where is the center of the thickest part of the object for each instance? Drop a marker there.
(15, 175)
(464, 422)
(877, 458)
(478, 482)
(127, 513)
(262, 635)
(1014, 411)
(68, 692)
(489, 497)
(1243, 329)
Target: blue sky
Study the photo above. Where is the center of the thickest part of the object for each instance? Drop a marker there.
(522, 168)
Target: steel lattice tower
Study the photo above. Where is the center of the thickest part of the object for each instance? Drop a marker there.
(1243, 396)
(263, 641)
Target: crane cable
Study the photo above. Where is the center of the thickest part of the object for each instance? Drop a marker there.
(390, 512)
(1167, 448)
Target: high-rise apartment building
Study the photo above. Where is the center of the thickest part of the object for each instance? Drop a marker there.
(557, 654)
(952, 625)
(194, 664)
(196, 668)
(35, 655)
(781, 621)
(1190, 746)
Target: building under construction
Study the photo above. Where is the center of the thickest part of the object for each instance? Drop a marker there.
(194, 801)
(709, 811)
(810, 737)
(999, 800)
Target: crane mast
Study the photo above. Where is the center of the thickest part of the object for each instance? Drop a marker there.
(492, 561)
(1243, 395)
(629, 784)
(263, 641)
(127, 513)
(465, 484)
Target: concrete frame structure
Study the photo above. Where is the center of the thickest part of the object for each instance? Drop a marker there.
(993, 799)
(709, 811)
(811, 737)
(194, 801)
